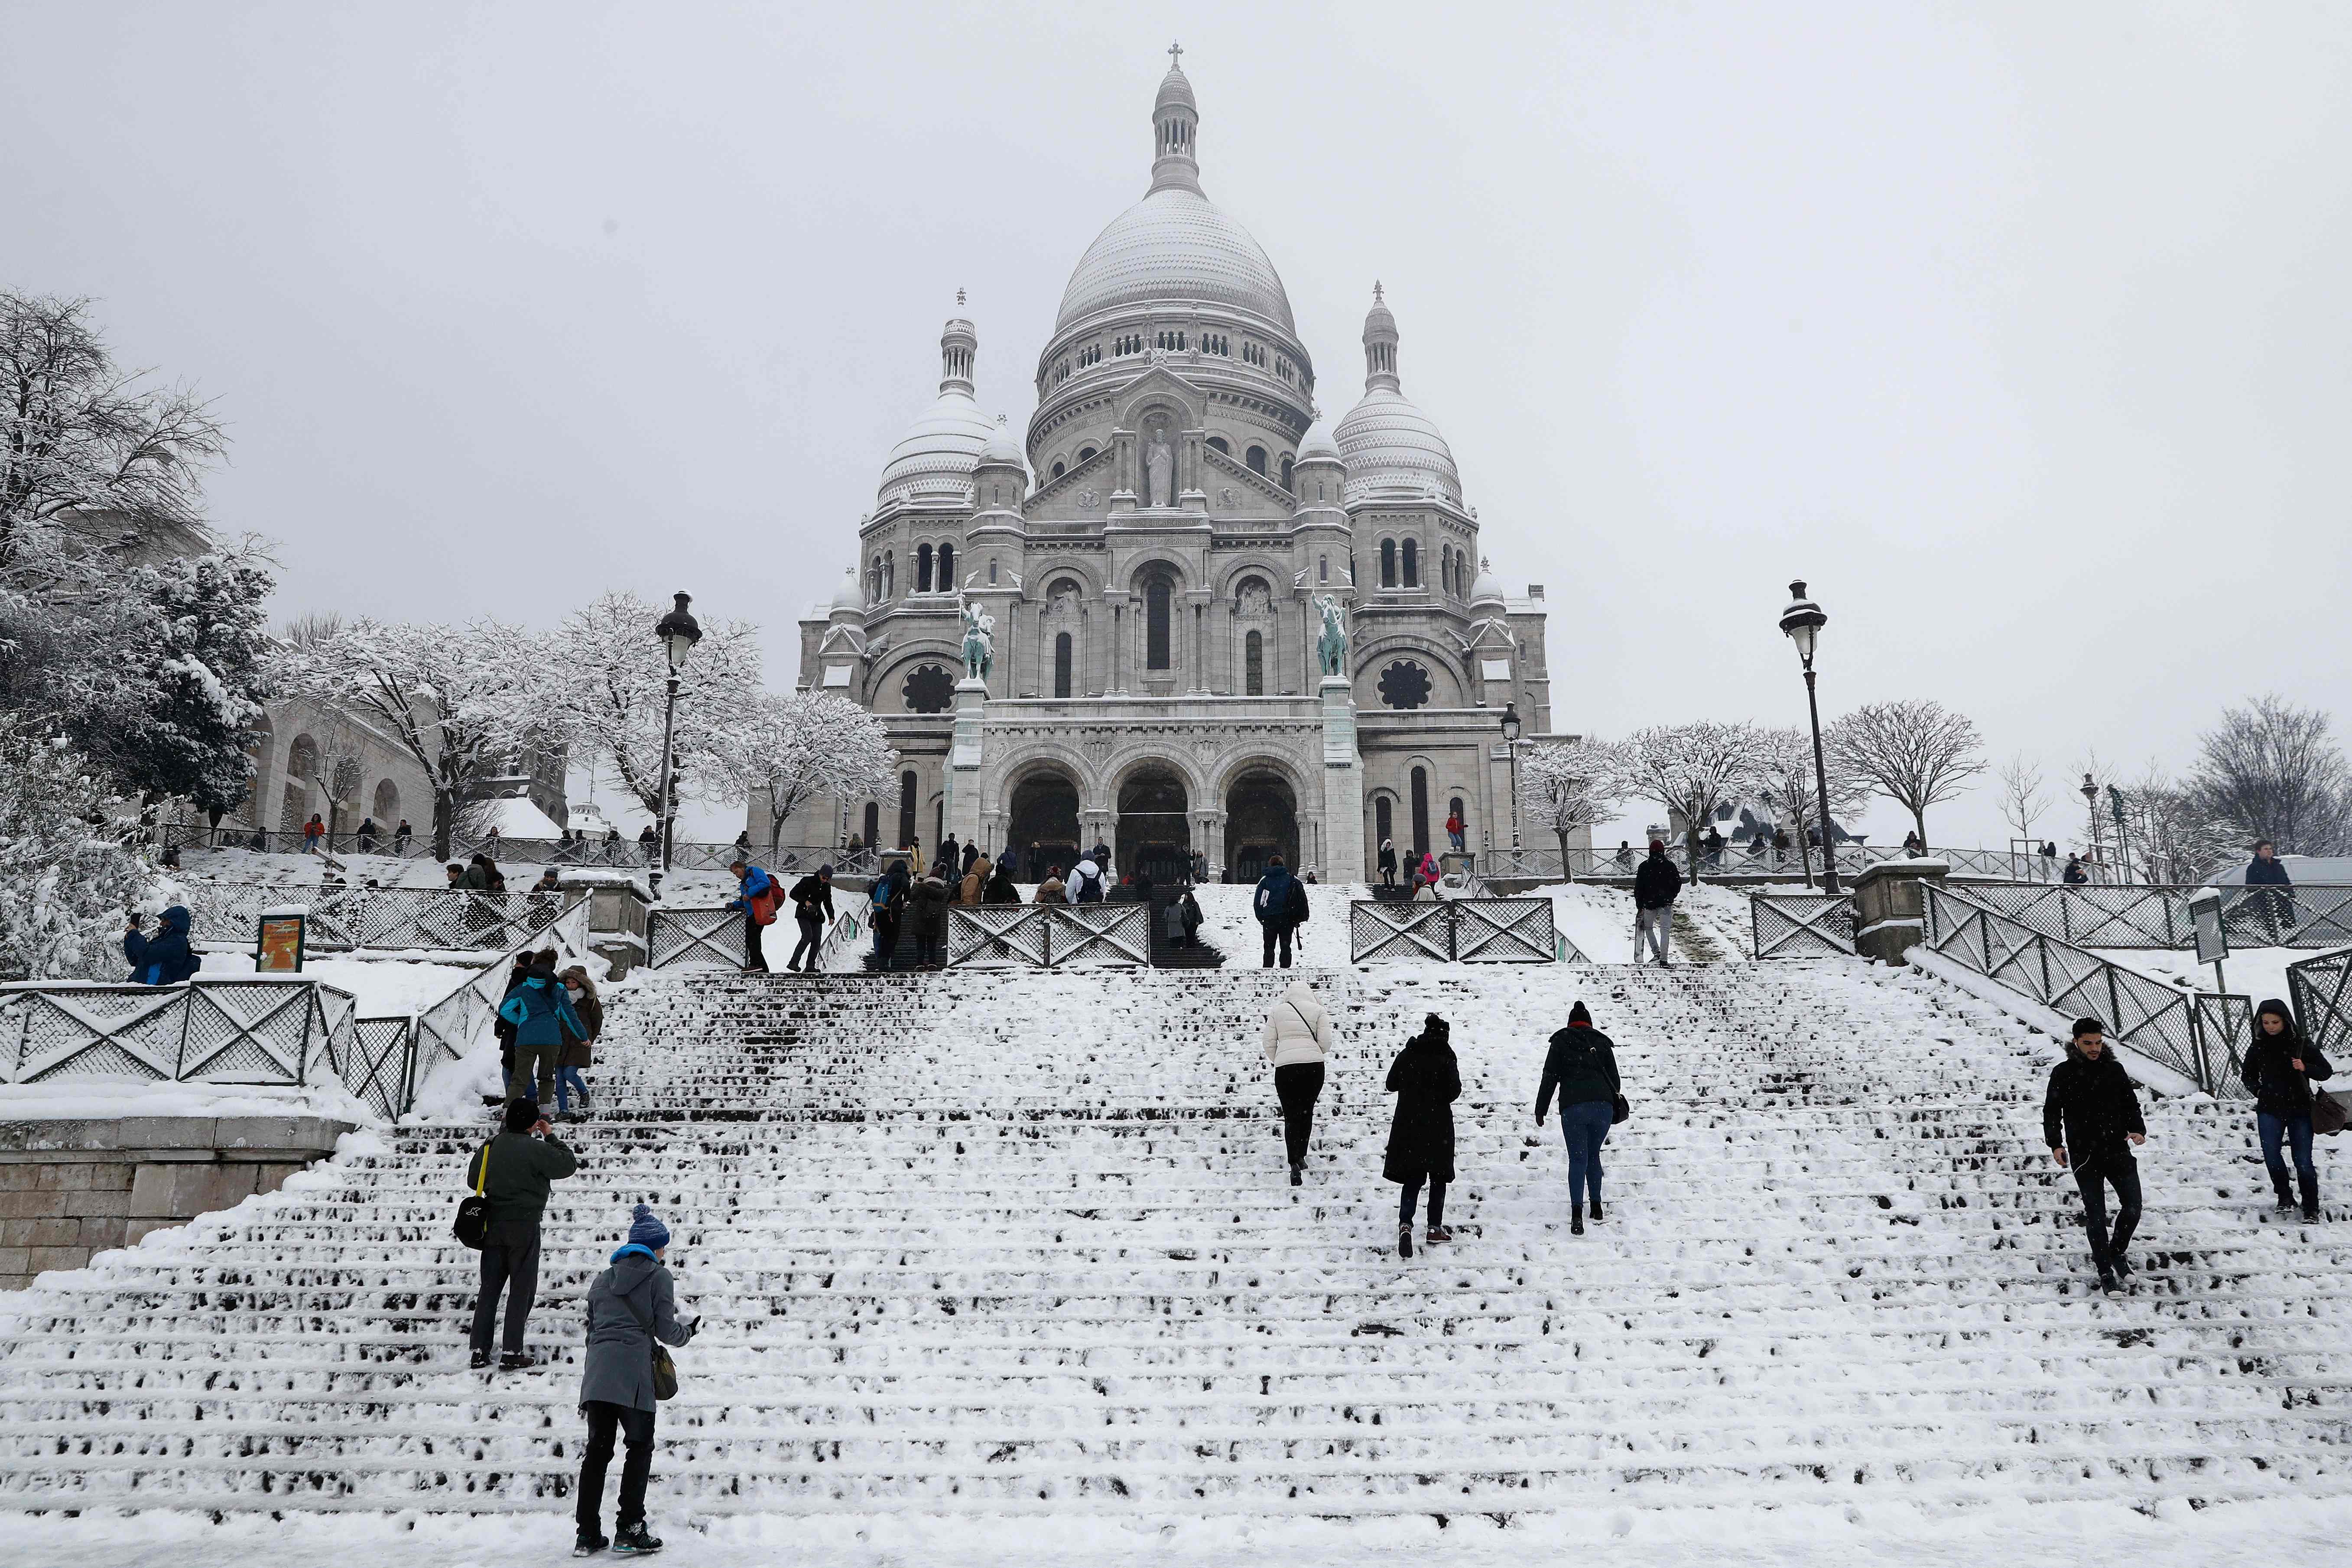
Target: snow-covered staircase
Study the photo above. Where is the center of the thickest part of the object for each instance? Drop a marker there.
(987, 1245)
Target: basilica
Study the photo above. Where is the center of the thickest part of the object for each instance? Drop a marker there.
(1205, 619)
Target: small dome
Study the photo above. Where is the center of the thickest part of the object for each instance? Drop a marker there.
(1488, 588)
(1175, 88)
(848, 597)
(1319, 445)
(1175, 245)
(1389, 445)
(936, 453)
(1002, 451)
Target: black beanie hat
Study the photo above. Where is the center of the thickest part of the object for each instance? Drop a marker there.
(523, 1115)
(1577, 1014)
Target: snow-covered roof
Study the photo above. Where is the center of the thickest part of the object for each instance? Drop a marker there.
(515, 817)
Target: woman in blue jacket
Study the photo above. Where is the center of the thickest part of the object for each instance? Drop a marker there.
(165, 958)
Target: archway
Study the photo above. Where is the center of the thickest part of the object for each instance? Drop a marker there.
(1046, 814)
(1154, 828)
(1261, 822)
(387, 804)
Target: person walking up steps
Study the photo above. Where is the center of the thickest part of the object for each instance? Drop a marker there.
(1297, 1038)
(543, 1020)
(812, 907)
(513, 1172)
(580, 992)
(757, 895)
(1426, 1080)
(1280, 906)
(1655, 886)
(2091, 1121)
(633, 1304)
(1582, 1066)
(2281, 1066)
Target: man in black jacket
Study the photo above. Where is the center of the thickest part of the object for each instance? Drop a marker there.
(2266, 871)
(1654, 888)
(812, 899)
(2092, 1115)
(521, 1163)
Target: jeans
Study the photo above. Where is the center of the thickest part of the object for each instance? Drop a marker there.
(636, 1427)
(2121, 1172)
(1586, 1127)
(811, 935)
(1654, 924)
(1277, 933)
(2295, 1133)
(1456, 838)
(510, 1263)
(1298, 1086)
(1436, 1205)
(569, 1082)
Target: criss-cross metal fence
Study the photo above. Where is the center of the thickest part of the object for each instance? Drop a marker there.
(437, 919)
(2320, 991)
(684, 856)
(1452, 931)
(1049, 936)
(246, 1030)
(2201, 1034)
(450, 1028)
(1802, 925)
(694, 936)
(2316, 916)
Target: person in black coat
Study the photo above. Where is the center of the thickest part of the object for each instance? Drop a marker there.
(1279, 904)
(2266, 871)
(1582, 1066)
(812, 899)
(165, 958)
(2279, 1069)
(1426, 1080)
(1388, 863)
(2091, 1121)
(1656, 887)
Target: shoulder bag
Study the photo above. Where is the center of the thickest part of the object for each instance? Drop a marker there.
(664, 1370)
(2327, 1115)
(473, 1222)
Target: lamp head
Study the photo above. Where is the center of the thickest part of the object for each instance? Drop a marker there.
(2090, 788)
(678, 631)
(1510, 723)
(1802, 622)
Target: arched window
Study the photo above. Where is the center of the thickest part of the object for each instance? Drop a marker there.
(873, 823)
(1059, 469)
(1254, 665)
(1384, 821)
(947, 569)
(1156, 596)
(1323, 568)
(889, 575)
(1255, 458)
(1388, 563)
(906, 807)
(1286, 473)
(1061, 663)
(1085, 452)
(1420, 810)
(1219, 443)
(922, 569)
(1411, 563)
(1446, 567)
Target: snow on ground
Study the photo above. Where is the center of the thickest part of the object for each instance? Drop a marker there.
(1721, 913)
(380, 985)
(197, 865)
(1320, 943)
(87, 1099)
(2256, 971)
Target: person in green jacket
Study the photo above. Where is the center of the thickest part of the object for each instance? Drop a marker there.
(514, 1172)
(1582, 1066)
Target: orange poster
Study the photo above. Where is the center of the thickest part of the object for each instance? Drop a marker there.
(281, 945)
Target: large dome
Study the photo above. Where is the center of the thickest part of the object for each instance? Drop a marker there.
(1175, 245)
(1389, 444)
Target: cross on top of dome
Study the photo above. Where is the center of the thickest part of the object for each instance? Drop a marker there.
(1176, 55)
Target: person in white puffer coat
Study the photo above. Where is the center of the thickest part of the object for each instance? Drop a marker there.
(1298, 1037)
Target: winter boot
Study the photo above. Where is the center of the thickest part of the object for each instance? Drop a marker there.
(632, 1538)
(480, 1360)
(1438, 1233)
(2124, 1270)
(1404, 1241)
(1596, 1211)
(1296, 1179)
(516, 1361)
(2310, 1197)
(589, 1542)
(2108, 1283)
(1576, 1219)
(2285, 1199)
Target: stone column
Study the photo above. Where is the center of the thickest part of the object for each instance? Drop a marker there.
(964, 757)
(617, 914)
(1889, 910)
(1212, 843)
(1343, 785)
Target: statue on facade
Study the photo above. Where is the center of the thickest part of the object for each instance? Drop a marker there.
(1333, 644)
(1160, 470)
(978, 642)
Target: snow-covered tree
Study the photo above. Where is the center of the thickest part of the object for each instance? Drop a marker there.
(1692, 769)
(64, 886)
(608, 680)
(88, 451)
(1784, 765)
(2271, 769)
(803, 746)
(2168, 836)
(1916, 753)
(463, 701)
(2021, 794)
(1568, 784)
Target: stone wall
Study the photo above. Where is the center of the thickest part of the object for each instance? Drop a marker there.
(72, 1189)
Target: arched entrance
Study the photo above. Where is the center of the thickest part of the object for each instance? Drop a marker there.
(1045, 812)
(1155, 834)
(1260, 821)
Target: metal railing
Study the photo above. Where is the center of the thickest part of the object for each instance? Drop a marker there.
(450, 1028)
(2200, 1033)
(1452, 931)
(628, 853)
(1739, 862)
(1049, 936)
(2320, 991)
(1802, 925)
(248, 1031)
(692, 936)
(344, 917)
(2316, 916)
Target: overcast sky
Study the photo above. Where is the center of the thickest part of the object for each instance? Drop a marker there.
(2020, 332)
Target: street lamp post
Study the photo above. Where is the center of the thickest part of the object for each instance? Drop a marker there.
(678, 634)
(2123, 839)
(1803, 621)
(2090, 792)
(1511, 744)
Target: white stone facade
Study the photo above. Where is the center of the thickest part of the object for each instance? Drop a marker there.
(1153, 556)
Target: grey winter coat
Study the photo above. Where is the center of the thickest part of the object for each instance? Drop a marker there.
(636, 1290)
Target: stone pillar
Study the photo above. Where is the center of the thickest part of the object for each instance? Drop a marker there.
(1212, 843)
(1343, 785)
(965, 757)
(617, 914)
(1889, 909)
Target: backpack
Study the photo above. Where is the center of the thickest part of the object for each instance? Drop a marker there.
(1296, 906)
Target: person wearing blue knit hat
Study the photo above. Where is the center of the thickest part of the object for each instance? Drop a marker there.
(632, 1303)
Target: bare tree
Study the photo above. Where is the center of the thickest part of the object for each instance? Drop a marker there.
(1916, 753)
(82, 439)
(2169, 839)
(1785, 768)
(1569, 782)
(2271, 769)
(2021, 794)
(1692, 769)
